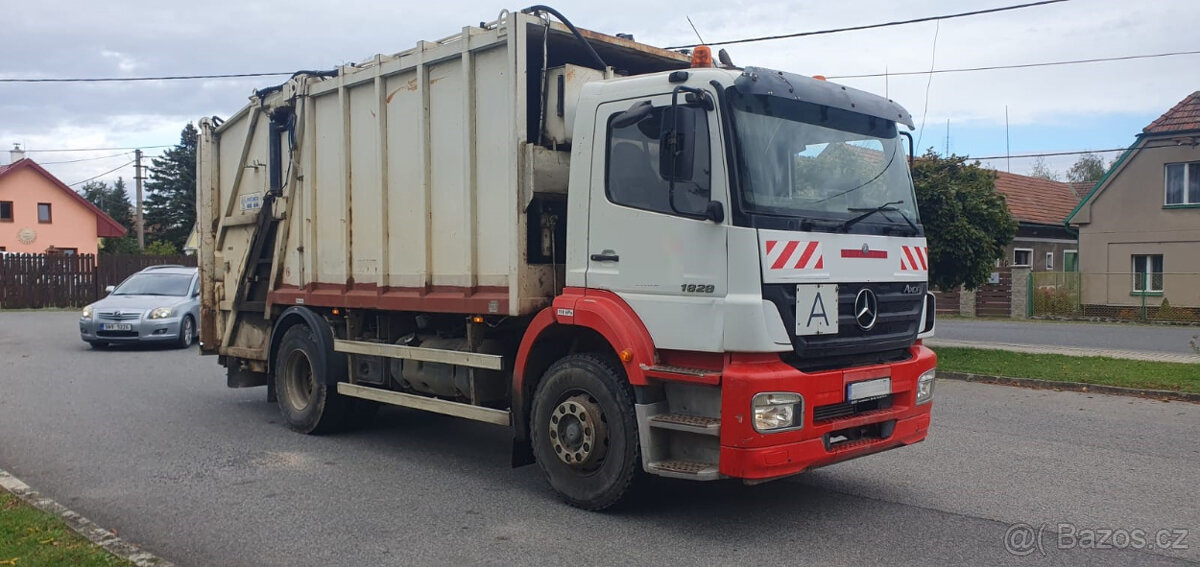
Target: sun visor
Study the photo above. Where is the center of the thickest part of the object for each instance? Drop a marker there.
(760, 81)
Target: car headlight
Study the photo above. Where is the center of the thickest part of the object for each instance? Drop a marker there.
(161, 313)
(87, 313)
(776, 411)
(925, 386)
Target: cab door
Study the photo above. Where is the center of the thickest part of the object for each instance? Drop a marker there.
(649, 243)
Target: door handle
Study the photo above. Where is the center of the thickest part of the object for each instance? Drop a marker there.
(606, 256)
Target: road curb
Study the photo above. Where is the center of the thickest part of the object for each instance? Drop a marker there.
(83, 526)
(1071, 386)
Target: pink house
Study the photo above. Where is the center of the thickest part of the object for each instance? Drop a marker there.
(39, 213)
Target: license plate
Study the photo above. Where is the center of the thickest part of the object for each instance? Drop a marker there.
(116, 326)
(868, 389)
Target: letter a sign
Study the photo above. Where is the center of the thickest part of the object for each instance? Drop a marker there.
(816, 309)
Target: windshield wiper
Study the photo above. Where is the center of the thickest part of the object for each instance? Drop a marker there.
(884, 208)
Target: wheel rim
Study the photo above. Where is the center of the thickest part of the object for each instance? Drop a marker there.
(188, 332)
(298, 380)
(579, 432)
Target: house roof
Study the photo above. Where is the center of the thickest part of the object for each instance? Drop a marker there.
(105, 225)
(1183, 117)
(1036, 200)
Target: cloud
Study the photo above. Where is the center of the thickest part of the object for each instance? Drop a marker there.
(89, 39)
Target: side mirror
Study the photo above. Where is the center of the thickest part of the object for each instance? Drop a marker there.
(109, 289)
(636, 113)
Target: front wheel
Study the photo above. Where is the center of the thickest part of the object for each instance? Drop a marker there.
(584, 431)
(187, 332)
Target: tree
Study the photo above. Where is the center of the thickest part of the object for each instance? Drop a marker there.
(1088, 168)
(967, 223)
(114, 201)
(162, 248)
(170, 207)
(1040, 169)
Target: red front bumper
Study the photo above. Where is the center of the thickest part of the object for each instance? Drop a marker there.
(746, 453)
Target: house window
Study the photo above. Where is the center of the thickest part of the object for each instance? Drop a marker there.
(43, 212)
(68, 251)
(6, 211)
(1183, 183)
(1070, 260)
(1049, 261)
(1147, 273)
(1022, 257)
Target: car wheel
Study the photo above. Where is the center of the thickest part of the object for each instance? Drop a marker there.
(187, 332)
(584, 431)
(305, 394)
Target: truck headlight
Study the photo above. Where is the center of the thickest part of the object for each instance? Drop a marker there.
(161, 313)
(775, 411)
(87, 313)
(925, 386)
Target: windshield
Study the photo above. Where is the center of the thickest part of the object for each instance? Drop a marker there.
(806, 160)
(155, 284)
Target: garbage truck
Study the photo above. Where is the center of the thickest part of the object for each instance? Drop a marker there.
(641, 261)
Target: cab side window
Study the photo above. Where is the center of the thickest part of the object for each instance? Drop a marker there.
(633, 177)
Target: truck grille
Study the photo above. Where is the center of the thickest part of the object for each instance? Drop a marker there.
(895, 328)
(849, 409)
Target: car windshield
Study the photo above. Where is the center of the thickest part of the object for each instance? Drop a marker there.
(806, 160)
(155, 284)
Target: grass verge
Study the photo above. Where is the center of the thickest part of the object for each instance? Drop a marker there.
(1177, 377)
(30, 537)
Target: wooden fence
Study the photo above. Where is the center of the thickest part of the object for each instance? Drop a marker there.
(34, 281)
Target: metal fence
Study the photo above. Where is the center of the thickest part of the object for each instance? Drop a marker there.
(34, 281)
(1131, 296)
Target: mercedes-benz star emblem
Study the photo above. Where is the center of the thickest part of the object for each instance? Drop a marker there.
(866, 309)
(866, 249)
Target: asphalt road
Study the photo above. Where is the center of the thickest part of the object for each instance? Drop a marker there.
(1121, 336)
(151, 444)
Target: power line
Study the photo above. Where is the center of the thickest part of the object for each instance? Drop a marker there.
(132, 79)
(874, 26)
(929, 83)
(1019, 65)
(82, 159)
(97, 149)
(126, 164)
(1051, 154)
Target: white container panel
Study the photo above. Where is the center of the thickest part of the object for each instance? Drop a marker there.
(368, 237)
(451, 233)
(407, 205)
(495, 151)
(328, 184)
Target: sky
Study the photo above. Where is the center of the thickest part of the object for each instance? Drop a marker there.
(1063, 108)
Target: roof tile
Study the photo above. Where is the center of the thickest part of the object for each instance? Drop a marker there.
(1036, 200)
(1183, 117)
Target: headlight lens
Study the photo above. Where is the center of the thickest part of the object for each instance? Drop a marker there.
(775, 411)
(925, 386)
(161, 313)
(87, 312)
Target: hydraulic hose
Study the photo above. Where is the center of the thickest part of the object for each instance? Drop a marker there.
(540, 8)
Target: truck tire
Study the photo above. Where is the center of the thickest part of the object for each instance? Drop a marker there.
(584, 431)
(307, 398)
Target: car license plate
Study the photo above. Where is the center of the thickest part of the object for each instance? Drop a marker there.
(116, 326)
(857, 391)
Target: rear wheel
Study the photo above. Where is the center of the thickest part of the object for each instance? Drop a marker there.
(584, 431)
(305, 393)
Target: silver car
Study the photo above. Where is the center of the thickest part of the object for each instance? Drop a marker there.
(159, 304)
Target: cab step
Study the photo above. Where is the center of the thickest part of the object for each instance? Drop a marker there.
(688, 423)
(683, 374)
(690, 470)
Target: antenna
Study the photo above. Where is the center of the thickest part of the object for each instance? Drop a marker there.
(1007, 142)
(689, 19)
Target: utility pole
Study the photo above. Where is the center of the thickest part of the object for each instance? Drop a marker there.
(137, 177)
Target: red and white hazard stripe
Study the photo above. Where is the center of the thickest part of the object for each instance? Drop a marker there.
(913, 258)
(794, 255)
